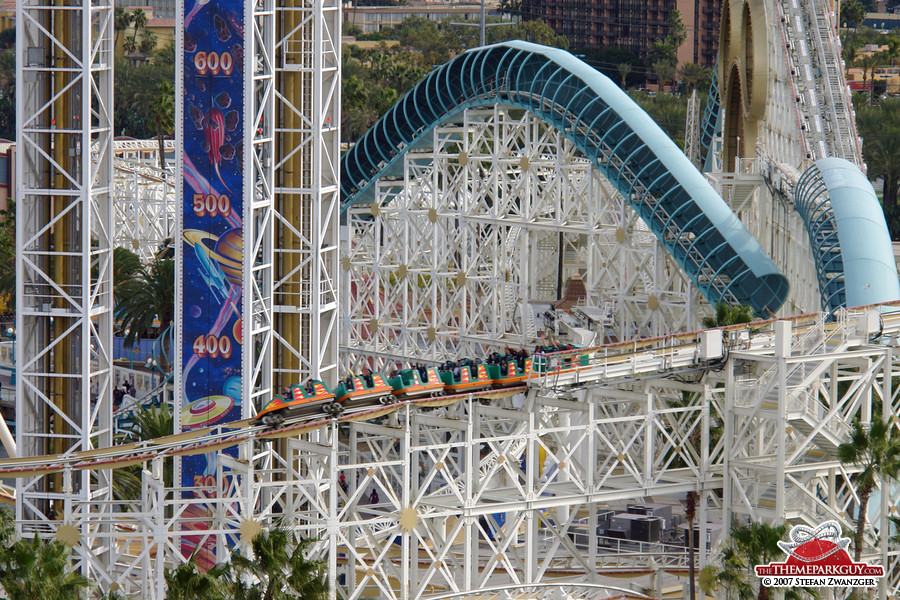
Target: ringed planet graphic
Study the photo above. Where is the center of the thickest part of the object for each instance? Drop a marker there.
(220, 257)
(206, 411)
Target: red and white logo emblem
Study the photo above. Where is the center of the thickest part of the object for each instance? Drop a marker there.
(818, 558)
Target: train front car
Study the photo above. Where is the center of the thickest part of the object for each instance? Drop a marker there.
(314, 399)
(361, 392)
(408, 383)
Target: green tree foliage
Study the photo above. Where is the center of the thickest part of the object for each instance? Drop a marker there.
(624, 69)
(126, 264)
(351, 29)
(536, 31)
(148, 42)
(511, 7)
(864, 35)
(729, 315)
(137, 87)
(746, 547)
(8, 85)
(852, 13)
(32, 569)
(277, 570)
(150, 423)
(139, 40)
(8, 39)
(375, 79)
(607, 61)
(695, 77)
(868, 63)
(850, 46)
(668, 110)
(677, 32)
(122, 21)
(664, 51)
(877, 450)
(8, 257)
(879, 126)
(665, 72)
(162, 113)
(187, 582)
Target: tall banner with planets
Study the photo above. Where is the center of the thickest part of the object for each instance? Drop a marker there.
(211, 253)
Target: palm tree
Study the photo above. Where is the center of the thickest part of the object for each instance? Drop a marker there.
(694, 76)
(162, 112)
(139, 19)
(746, 547)
(280, 569)
(690, 512)
(126, 264)
(624, 70)
(187, 582)
(148, 296)
(879, 125)
(877, 451)
(868, 64)
(149, 424)
(123, 20)
(148, 42)
(130, 46)
(759, 542)
(708, 580)
(665, 71)
(849, 50)
(852, 12)
(37, 568)
(8, 254)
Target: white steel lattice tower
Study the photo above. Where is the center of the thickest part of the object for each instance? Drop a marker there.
(258, 192)
(64, 264)
(307, 67)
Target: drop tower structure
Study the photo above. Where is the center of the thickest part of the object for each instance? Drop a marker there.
(64, 303)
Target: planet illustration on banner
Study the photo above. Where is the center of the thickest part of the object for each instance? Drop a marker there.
(238, 331)
(232, 388)
(195, 311)
(230, 247)
(220, 258)
(205, 411)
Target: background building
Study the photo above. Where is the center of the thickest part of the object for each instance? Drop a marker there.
(373, 18)
(632, 25)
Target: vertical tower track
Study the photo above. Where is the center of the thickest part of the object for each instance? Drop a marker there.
(307, 70)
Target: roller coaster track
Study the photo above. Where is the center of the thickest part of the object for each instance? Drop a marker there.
(662, 356)
(847, 234)
(688, 217)
(814, 60)
(711, 120)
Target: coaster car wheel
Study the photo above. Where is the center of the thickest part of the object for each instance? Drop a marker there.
(273, 421)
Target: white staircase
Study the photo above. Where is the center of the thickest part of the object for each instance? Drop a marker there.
(815, 423)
